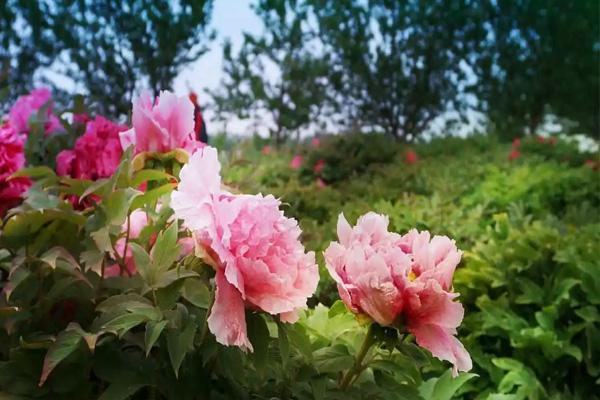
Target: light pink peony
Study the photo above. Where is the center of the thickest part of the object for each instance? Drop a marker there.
(296, 161)
(29, 104)
(162, 124)
(96, 154)
(12, 158)
(254, 248)
(402, 281)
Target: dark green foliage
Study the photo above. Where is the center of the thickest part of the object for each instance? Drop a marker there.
(539, 57)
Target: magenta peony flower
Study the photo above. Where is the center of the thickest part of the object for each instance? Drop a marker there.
(402, 281)
(97, 152)
(318, 167)
(255, 249)
(514, 155)
(29, 104)
(162, 124)
(296, 161)
(12, 158)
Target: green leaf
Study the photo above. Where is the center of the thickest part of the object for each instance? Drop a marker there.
(333, 359)
(142, 263)
(66, 343)
(284, 343)
(151, 196)
(123, 323)
(165, 250)
(116, 205)
(179, 343)
(145, 175)
(153, 331)
(258, 333)
(33, 172)
(444, 387)
(196, 292)
(300, 340)
(121, 391)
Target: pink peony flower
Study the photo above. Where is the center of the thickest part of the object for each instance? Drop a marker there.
(514, 154)
(402, 281)
(540, 139)
(97, 152)
(516, 143)
(411, 157)
(266, 150)
(29, 104)
(255, 249)
(162, 124)
(296, 162)
(320, 183)
(315, 142)
(318, 168)
(12, 158)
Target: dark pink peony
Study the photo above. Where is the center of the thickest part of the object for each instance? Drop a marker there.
(403, 281)
(27, 105)
(96, 154)
(296, 161)
(12, 158)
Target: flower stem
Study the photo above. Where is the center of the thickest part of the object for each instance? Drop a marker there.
(358, 367)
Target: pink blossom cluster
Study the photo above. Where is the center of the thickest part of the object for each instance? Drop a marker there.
(96, 153)
(162, 124)
(401, 281)
(12, 158)
(27, 105)
(259, 260)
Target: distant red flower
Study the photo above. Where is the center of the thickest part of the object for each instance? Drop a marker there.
(540, 139)
(411, 157)
(319, 166)
(516, 143)
(315, 142)
(296, 162)
(266, 149)
(514, 154)
(593, 164)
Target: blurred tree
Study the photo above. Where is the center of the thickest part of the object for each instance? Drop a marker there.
(112, 47)
(27, 43)
(294, 90)
(397, 64)
(540, 57)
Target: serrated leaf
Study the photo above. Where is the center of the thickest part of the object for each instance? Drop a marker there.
(142, 263)
(33, 172)
(116, 205)
(123, 323)
(444, 387)
(151, 196)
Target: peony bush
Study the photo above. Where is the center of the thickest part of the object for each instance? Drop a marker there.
(132, 271)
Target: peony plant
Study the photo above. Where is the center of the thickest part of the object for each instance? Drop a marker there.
(135, 272)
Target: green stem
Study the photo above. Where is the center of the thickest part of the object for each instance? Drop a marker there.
(358, 367)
